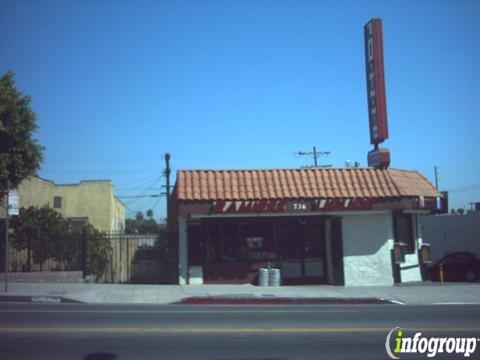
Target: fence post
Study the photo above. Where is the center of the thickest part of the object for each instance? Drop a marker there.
(112, 258)
(440, 269)
(83, 253)
(120, 263)
(128, 259)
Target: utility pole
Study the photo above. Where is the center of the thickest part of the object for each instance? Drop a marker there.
(316, 154)
(167, 175)
(7, 249)
(436, 176)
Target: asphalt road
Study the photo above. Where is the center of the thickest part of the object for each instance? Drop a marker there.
(267, 332)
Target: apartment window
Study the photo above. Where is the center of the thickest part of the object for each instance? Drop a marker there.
(404, 231)
(78, 223)
(57, 202)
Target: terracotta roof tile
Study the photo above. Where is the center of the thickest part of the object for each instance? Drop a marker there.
(210, 185)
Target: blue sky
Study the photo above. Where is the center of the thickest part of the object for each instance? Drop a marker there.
(243, 84)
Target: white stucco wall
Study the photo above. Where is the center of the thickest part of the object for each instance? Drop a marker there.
(367, 244)
(450, 233)
(410, 269)
(182, 251)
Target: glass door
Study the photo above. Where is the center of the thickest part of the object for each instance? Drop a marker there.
(302, 248)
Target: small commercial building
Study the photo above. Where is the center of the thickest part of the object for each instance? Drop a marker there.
(318, 225)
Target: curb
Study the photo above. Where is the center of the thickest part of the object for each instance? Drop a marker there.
(38, 299)
(229, 300)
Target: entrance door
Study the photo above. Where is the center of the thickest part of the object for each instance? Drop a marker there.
(302, 245)
(337, 251)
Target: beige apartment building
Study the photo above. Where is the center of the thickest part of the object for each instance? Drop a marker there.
(89, 202)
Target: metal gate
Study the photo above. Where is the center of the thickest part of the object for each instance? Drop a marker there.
(143, 259)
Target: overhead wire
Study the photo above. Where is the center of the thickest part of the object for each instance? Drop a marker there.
(156, 203)
(465, 188)
(138, 182)
(145, 189)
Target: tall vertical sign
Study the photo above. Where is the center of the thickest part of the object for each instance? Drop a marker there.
(377, 104)
(377, 107)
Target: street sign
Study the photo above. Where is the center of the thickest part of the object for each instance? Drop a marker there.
(13, 202)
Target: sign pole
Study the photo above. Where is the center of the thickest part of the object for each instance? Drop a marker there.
(7, 250)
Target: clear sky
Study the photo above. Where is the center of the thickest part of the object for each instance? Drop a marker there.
(243, 84)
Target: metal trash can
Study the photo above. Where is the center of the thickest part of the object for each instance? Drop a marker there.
(274, 277)
(263, 277)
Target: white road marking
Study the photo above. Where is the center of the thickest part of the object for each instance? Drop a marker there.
(175, 311)
(207, 330)
(458, 303)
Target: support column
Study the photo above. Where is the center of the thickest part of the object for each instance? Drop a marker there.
(182, 251)
(418, 230)
(275, 238)
(328, 250)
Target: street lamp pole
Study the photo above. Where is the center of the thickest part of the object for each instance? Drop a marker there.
(7, 249)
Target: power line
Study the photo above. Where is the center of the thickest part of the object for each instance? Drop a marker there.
(156, 203)
(138, 196)
(130, 209)
(466, 188)
(141, 180)
(315, 154)
(224, 156)
(95, 169)
(465, 172)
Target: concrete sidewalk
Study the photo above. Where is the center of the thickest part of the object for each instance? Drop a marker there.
(413, 293)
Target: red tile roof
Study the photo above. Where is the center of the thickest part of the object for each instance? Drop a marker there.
(208, 185)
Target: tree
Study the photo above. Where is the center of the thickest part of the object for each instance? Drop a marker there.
(131, 226)
(135, 226)
(139, 216)
(41, 232)
(84, 242)
(99, 250)
(45, 234)
(140, 225)
(149, 214)
(20, 154)
(148, 227)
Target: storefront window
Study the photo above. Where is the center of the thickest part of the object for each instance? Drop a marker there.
(230, 242)
(257, 240)
(289, 237)
(234, 240)
(213, 247)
